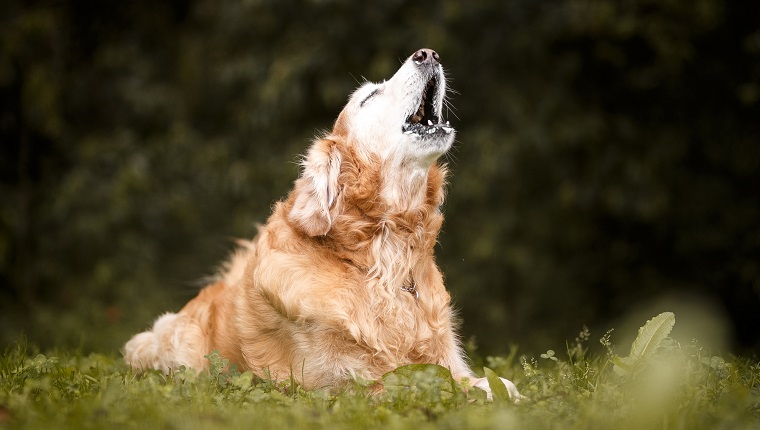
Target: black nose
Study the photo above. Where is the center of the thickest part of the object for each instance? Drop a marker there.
(426, 56)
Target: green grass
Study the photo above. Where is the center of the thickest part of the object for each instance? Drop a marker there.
(672, 386)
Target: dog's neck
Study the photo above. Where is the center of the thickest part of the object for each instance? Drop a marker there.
(405, 185)
(391, 217)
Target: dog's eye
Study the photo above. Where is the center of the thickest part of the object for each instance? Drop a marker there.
(372, 94)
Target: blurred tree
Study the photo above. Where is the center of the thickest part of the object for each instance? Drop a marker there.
(607, 152)
(617, 153)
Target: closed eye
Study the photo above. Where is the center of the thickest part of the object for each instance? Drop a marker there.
(372, 94)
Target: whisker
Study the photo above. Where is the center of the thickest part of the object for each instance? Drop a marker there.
(450, 109)
(356, 80)
(450, 105)
(451, 154)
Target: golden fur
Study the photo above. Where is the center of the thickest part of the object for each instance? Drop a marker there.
(323, 291)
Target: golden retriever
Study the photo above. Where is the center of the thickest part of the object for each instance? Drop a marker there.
(341, 282)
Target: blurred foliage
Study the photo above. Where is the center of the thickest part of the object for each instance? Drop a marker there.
(607, 152)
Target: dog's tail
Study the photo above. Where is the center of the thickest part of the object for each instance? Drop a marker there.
(185, 338)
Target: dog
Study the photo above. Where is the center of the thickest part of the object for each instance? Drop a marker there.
(341, 283)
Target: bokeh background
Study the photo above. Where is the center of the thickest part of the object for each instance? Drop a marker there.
(607, 165)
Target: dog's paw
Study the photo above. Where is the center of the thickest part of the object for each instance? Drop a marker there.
(514, 395)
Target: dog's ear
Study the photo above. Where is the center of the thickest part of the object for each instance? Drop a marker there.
(317, 189)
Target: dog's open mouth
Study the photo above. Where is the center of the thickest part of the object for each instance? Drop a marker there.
(426, 119)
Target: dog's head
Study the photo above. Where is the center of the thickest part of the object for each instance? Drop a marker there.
(401, 119)
(395, 126)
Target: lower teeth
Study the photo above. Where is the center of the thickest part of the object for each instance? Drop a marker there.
(420, 129)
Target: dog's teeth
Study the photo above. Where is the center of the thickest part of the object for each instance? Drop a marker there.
(448, 123)
(430, 122)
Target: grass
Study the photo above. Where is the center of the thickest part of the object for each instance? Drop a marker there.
(670, 386)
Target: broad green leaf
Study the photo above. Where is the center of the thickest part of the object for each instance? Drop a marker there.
(622, 365)
(498, 390)
(651, 335)
(426, 383)
(405, 375)
(410, 369)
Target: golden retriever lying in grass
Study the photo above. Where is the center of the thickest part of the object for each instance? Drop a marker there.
(341, 282)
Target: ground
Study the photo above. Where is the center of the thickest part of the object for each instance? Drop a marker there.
(668, 386)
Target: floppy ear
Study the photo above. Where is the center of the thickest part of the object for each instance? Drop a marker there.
(317, 189)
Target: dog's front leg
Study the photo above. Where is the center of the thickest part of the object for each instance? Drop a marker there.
(460, 370)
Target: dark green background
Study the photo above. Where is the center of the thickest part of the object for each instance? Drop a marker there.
(607, 161)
